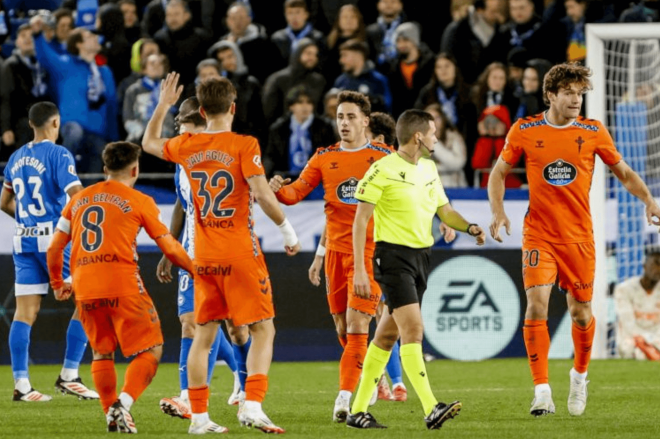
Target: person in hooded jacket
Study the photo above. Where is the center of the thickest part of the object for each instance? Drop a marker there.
(494, 124)
(302, 70)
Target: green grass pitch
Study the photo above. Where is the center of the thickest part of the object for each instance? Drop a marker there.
(624, 401)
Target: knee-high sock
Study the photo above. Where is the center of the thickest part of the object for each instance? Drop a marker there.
(412, 360)
(183, 362)
(240, 355)
(199, 399)
(394, 365)
(105, 381)
(76, 342)
(374, 364)
(583, 338)
(350, 366)
(19, 345)
(256, 387)
(537, 343)
(139, 374)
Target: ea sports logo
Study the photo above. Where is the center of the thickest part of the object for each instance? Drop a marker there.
(471, 308)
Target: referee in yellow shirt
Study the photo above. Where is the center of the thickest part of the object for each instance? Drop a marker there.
(403, 192)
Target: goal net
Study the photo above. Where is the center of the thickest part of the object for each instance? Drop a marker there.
(625, 60)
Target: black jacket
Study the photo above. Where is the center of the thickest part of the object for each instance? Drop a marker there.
(403, 98)
(279, 83)
(184, 48)
(276, 157)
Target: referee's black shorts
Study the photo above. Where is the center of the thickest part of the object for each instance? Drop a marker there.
(401, 272)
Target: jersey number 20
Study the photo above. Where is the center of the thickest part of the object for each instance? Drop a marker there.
(213, 203)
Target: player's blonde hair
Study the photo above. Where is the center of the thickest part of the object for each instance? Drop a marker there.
(563, 76)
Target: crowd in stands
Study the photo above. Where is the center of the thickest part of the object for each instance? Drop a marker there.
(475, 65)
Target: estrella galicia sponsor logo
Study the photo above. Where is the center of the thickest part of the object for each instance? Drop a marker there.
(346, 191)
(471, 309)
(560, 173)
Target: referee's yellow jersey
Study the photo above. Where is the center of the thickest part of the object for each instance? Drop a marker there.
(406, 197)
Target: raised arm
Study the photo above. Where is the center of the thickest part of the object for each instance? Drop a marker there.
(496, 191)
(271, 207)
(634, 184)
(170, 91)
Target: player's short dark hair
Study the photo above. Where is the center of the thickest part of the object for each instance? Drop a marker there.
(563, 76)
(189, 112)
(41, 112)
(383, 123)
(411, 122)
(356, 45)
(357, 98)
(296, 94)
(216, 95)
(117, 156)
(75, 38)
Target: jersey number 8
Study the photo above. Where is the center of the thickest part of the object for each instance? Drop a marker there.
(92, 236)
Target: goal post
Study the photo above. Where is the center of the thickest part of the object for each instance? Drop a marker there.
(625, 61)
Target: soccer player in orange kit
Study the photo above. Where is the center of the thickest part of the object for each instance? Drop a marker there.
(560, 149)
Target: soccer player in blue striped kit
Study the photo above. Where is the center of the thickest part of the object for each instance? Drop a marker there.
(38, 178)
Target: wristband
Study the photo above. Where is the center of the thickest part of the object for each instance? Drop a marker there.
(469, 227)
(290, 237)
(320, 250)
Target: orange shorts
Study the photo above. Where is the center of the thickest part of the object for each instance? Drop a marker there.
(239, 290)
(130, 321)
(571, 266)
(339, 272)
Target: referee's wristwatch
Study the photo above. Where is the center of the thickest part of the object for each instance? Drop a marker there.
(469, 227)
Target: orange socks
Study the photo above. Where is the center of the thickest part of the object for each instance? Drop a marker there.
(350, 366)
(139, 374)
(583, 338)
(256, 387)
(105, 381)
(199, 399)
(537, 343)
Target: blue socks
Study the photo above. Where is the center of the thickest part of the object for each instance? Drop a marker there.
(226, 352)
(19, 344)
(76, 342)
(394, 365)
(183, 362)
(240, 354)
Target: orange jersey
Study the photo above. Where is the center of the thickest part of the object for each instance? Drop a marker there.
(218, 166)
(339, 170)
(104, 220)
(560, 164)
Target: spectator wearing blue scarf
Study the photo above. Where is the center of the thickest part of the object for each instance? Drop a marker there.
(141, 100)
(380, 35)
(295, 136)
(86, 95)
(298, 27)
